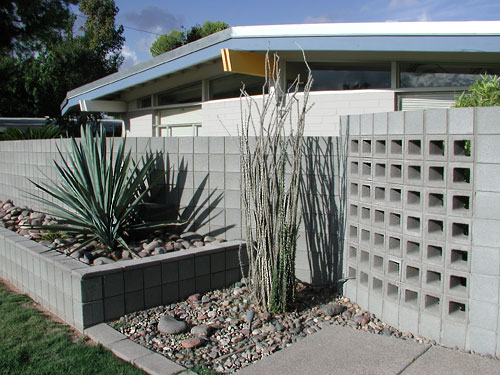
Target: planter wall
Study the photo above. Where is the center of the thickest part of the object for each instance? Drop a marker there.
(83, 295)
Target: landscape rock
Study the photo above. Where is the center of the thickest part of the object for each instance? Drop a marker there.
(102, 260)
(192, 343)
(191, 236)
(171, 326)
(201, 330)
(333, 309)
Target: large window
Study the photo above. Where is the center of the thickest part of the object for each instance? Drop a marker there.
(441, 74)
(229, 86)
(184, 94)
(343, 76)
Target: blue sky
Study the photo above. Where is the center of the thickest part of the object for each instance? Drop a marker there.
(159, 17)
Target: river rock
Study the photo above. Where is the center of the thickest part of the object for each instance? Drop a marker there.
(192, 343)
(171, 326)
(191, 236)
(361, 319)
(333, 309)
(152, 245)
(201, 330)
(102, 260)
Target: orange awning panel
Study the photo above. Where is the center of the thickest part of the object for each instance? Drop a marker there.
(245, 62)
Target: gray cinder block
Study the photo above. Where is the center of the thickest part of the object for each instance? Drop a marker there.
(461, 120)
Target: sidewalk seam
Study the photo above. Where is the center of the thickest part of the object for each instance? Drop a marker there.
(413, 360)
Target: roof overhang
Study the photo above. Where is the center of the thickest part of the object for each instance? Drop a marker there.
(419, 37)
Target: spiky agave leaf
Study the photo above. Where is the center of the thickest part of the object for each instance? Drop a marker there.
(98, 197)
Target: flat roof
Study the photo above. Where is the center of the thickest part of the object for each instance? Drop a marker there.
(463, 36)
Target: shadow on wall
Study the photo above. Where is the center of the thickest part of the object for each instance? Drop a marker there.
(323, 197)
(198, 211)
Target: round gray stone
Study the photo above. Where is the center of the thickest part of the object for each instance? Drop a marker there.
(171, 326)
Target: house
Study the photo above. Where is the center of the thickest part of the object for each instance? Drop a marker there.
(357, 67)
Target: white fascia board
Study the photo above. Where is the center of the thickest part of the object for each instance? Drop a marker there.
(369, 29)
(102, 106)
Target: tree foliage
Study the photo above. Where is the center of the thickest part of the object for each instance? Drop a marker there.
(177, 38)
(26, 24)
(34, 83)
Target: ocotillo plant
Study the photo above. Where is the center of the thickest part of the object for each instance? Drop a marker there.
(270, 184)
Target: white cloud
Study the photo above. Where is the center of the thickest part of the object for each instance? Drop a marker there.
(319, 19)
(154, 19)
(130, 57)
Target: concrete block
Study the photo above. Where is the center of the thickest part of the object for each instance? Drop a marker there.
(232, 181)
(487, 120)
(486, 205)
(186, 268)
(232, 199)
(114, 307)
(354, 125)
(481, 340)
(202, 265)
(485, 261)
(408, 320)
(487, 177)
(103, 334)
(152, 276)
(134, 301)
(186, 145)
(68, 309)
(460, 203)
(114, 284)
(217, 262)
(92, 313)
(484, 288)
(169, 272)
(461, 120)
(485, 233)
(200, 162)
(414, 122)
(202, 283)
(232, 163)
(391, 313)
(218, 280)
(232, 145)
(170, 293)
(187, 287)
(453, 334)
(232, 276)
(435, 121)
(216, 145)
(362, 296)
(217, 164)
(483, 315)
(233, 258)
(128, 350)
(380, 123)
(487, 148)
(430, 327)
(201, 145)
(376, 304)
(133, 280)
(152, 297)
(156, 364)
(366, 124)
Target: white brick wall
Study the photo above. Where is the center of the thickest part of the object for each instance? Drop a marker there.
(222, 117)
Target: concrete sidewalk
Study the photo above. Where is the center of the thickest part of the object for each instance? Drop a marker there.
(342, 350)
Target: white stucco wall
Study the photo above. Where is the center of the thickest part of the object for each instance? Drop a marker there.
(139, 125)
(221, 117)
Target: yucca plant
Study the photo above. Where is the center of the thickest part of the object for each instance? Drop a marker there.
(101, 194)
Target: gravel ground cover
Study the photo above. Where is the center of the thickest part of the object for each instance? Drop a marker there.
(220, 331)
(24, 220)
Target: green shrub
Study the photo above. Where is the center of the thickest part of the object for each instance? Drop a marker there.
(101, 194)
(46, 132)
(485, 92)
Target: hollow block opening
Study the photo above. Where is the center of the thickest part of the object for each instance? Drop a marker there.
(396, 147)
(367, 146)
(436, 200)
(413, 197)
(461, 202)
(436, 147)
(380, 146)
(436, 173)
(396, 170)
(354, 146)
(415, 147)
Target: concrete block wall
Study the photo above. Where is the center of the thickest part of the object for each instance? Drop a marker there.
(84, 296)
(203, 184)
(422, 226)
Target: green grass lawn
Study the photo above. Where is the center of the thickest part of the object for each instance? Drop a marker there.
(30, 343)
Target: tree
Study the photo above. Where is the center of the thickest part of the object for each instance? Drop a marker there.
(30, 23)
(167, 42)
(38, 80)
(176, 38)
(484, 92)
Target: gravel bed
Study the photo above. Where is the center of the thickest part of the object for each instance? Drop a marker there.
(214, 332)
(24, 220)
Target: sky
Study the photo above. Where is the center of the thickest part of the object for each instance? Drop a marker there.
(155, 17)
